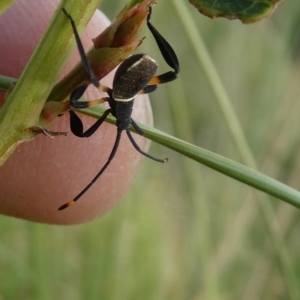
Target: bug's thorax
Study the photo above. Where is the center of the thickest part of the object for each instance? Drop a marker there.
(132, 76)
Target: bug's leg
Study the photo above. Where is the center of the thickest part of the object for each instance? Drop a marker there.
(111, 156)
(77, 126)
(148, 89)
(85, 63)
(136, 146)
(167, 52)
(137, 127)
(75, 122)
(77, 94)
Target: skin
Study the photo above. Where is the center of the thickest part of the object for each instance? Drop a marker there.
(45, 173)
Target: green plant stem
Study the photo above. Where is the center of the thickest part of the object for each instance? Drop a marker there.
(239, 139)
(24, 105)
(217, 162)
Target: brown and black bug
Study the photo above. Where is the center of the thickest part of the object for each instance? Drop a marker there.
(135, 75)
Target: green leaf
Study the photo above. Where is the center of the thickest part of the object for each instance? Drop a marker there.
(248, 11)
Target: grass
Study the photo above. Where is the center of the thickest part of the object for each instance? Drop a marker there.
(184, 231)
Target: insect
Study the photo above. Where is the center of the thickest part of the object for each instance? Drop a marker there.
(135, 75)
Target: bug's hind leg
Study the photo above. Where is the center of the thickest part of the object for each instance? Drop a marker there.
(136, 146)
(167, 52)
(77, 126)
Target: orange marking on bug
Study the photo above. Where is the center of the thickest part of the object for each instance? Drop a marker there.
(64, 206)
(154, 80)
(103, 88)
(96, 102)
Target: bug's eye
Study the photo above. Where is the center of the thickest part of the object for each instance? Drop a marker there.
(132, 76)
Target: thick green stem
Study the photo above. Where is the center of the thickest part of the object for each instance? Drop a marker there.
(24, 105)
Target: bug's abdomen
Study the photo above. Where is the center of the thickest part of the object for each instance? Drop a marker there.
(132, 76)
(123, 114)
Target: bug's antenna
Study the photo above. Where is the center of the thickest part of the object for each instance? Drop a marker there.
(111, 156)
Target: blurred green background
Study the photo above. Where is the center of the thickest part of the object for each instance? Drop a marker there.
(184, 231)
